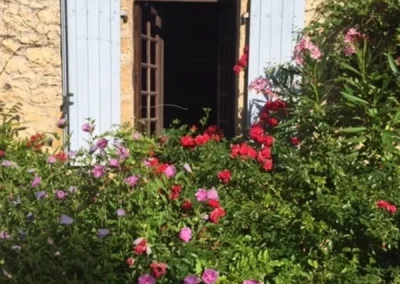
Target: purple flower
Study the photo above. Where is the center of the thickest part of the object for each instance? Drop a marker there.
(40, 195)
(191, 279)
(72, 154)
(102, 233)
(4, 235)
(113, 163)
(60, 195)
(87, 128)
(251, 282)
(61, 123)
(51, 160)
(170, 171)
(201, 195)
(66, 220)
(72, 189)
(102, 143)
(117, 143)
(93, 149)
(131, 181)
(122, 152)
(136, 136)
(8, 164)
(146, 279)
(185, 234)
(187, 168)
(210, 276)
(36, 181)
(120, 212)
(98, 171)
(212, 194)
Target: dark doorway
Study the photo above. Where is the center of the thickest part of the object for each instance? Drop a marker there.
(184, 54)
(190, 61)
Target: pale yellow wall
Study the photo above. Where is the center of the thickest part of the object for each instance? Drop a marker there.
(310, 9)
(30, 60)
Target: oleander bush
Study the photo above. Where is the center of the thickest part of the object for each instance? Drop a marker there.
(308, 195)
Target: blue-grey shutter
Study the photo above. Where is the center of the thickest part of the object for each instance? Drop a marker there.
(93, 65)
(273, 27)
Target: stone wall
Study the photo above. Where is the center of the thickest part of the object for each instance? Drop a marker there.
(30, 60)
(310, 9)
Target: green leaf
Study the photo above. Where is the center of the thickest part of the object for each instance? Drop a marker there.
(354, 98)
(392, 65)
(348, 67)
(352, 129)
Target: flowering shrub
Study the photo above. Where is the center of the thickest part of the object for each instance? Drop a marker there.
(310, 195)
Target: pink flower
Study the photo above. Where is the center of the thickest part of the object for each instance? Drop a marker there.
(122, 152)
(187, 168)
(136, 136)
(98, 171)
(304, 45)
(210, 276)
(261, 85)
(387, 206)
(87, 128)
(349, 50)
(191, 279)
(131, 181)
(60, 195)
(201, 195)
(61, 123)
(251, 282)
(212, 194)
(113, 163)
(352, 36)
(36, 181)
(102, 143)
(315, 52)
(185, 234)
(170, 171)
(146, 279)
(51, 160)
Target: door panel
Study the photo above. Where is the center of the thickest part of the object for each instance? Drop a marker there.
(227, 47)
(148, 68)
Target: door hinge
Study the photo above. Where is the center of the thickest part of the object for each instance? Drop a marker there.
(64, 108)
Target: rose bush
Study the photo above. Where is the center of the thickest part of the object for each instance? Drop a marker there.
(310, 195)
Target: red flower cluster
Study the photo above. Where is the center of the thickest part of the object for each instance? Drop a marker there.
(243, 61)
(216, 214)
(158, 269)
(141, 247)
(61, 157)
(186, 205)
(244, 151)
(271, 106)
(387, 206)
(36, 141)
(257, 133)
(295, 141)
(225, 176)
(175, 192)
(211, 133)
(2, 153)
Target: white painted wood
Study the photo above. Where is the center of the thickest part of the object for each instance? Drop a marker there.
(273, 24)
(93, 69)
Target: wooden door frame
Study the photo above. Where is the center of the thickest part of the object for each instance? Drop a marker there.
(137, 53)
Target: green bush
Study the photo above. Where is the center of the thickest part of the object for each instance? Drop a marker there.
(308, 197)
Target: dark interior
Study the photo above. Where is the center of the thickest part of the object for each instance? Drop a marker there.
(190, 61)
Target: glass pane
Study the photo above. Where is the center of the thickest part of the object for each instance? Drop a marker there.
(143, 86)
(143, 51)
(153, 58)
(153, 80)
(153, 127)
(143, 107)
(153, 104)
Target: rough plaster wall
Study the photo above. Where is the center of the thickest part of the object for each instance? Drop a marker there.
(30, 61)
(127, 98)
(310, 9)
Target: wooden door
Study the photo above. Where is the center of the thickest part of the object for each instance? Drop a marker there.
(227, 53)
(148, 68)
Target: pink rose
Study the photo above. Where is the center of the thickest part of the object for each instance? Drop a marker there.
(185, 234)
(201, 195)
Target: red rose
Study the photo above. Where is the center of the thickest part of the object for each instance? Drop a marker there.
(2, 153)
(243, 60)
(214, 203)
(202, 139)
(295, 141)
(237, 68)
(225, 176)
(216, 214)
(130, 261)
(264, 155)
(141, 247)
(187, 141)
(268, 165)
(61, 157)
(158, 269)
(186, 205)
(175, 192)
(272, 121)
(387, 206)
